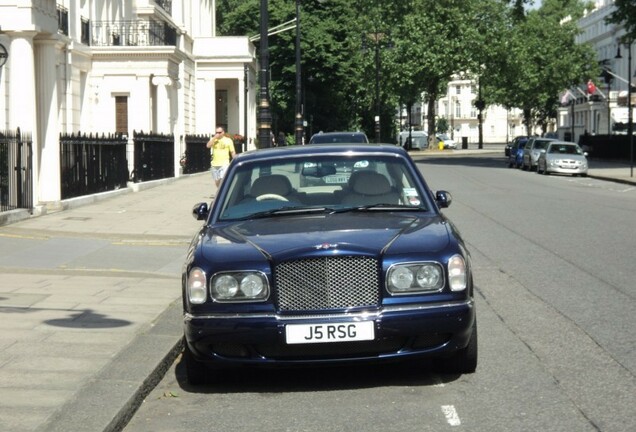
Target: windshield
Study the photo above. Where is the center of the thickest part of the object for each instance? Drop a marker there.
(571, 149)
(321, 184)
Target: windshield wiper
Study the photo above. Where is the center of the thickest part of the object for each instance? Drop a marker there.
(386, 207)
(287, 210)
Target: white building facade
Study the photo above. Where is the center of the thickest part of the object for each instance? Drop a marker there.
(119, 66)
(604, 112)
(457, 107)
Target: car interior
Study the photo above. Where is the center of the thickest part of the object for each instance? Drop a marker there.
(327, 183)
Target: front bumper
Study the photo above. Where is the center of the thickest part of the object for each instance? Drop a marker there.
(399, 332)
(558, 169)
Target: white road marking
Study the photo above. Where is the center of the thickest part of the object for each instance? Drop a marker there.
(451, 415)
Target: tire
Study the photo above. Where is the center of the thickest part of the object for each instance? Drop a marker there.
(196, 372)
(465, 360)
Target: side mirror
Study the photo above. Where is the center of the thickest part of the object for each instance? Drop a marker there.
(443, 199)
(200, 211)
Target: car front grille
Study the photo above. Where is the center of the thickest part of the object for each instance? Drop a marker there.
(327, 283)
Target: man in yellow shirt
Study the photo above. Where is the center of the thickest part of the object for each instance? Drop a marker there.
(221, 148)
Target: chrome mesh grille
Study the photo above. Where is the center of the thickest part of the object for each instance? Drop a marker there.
(327, 283)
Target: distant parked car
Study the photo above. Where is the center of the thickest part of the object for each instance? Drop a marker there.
(515, 156)
(511, 143)
(447, 141)
(532, 150)
(563, 158)
(418, 140)
(338, 137)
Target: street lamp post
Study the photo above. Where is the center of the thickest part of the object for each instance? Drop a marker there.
(377, 38)
(377, 89)
(264, 112)
(480, 104)
(630, 115)
(299, 126)
(630, 119)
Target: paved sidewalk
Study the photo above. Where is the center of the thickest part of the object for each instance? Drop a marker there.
(90, 312)
(90, 309)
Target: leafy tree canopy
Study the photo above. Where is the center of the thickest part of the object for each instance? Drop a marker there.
(522, 58)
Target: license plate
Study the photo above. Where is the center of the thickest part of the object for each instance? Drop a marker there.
(325, 333)
(336, 180)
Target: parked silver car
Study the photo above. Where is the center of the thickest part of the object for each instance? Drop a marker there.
(563, 158)
(532, 151)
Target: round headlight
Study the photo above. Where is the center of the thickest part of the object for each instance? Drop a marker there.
(225, 287)
(429, 276)
(252, 286)
(401, 278)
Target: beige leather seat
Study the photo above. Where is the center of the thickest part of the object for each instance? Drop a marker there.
(369, 187)
(275, 184)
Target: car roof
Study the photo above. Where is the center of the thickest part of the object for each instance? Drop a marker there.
(320, 149)
(340, 136)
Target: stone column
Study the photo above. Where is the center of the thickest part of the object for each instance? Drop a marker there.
(47, 113)
(163, 102)
(21, 88)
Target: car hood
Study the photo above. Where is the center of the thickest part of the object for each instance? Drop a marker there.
(281, 238)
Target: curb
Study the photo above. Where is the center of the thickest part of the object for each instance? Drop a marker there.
(109, 400)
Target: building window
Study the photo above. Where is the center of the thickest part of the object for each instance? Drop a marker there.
(86, 31)
(121, 114)
(62, 20)
(458, 110)
(458, 89)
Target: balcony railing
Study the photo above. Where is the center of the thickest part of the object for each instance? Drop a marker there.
(133, 33)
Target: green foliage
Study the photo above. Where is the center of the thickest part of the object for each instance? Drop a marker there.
(539, 59)
(625, 14)
(521, 59)
(442, 125)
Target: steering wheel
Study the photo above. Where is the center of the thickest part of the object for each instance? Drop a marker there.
(271, 196)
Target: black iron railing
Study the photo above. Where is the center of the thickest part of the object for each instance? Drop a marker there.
(91, 164)
(133, 33)
(16, 171)
(197, 155)
(154, 157)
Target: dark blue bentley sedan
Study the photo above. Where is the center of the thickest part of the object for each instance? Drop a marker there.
(326, 254)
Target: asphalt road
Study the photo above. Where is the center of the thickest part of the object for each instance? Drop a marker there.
(553, 259)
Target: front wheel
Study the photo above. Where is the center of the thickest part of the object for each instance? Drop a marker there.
(464, 360)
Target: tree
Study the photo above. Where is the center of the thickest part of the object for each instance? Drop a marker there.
(438, 39)
(331, 91)
(539, 58)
